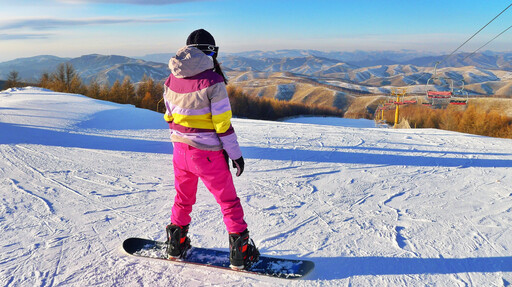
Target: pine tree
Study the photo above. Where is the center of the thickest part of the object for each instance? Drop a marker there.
(116, 92)
(76, 86)
(142, 88)
(66, 80)
(104, 92)
(127, 91)
(58, 79)
(147, 101)
(149, 93)
(93, 90)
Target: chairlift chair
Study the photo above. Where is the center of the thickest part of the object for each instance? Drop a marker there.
(433, 94)
(460, 100)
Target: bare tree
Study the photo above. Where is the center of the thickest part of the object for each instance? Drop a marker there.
(13, 80)
(66, 80)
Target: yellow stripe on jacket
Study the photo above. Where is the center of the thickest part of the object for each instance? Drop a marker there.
(220, 123)
(197, 122)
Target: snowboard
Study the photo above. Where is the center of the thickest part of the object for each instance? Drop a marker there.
(269, 266)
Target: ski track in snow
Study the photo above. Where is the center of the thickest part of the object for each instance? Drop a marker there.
(370, 206)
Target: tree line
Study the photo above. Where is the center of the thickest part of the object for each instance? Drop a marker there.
(470, 120)
(148, 93)
(245, 106)
(65, 79)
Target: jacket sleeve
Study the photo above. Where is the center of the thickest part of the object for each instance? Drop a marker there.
(221, 118)
(168, 115)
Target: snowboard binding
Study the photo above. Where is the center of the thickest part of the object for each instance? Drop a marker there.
(177, 242)
(242, 251)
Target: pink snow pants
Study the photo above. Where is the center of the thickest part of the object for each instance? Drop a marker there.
(190, 164)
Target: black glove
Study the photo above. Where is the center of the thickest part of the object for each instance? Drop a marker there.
(239, 165)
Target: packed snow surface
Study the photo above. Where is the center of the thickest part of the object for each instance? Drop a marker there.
(370, 206)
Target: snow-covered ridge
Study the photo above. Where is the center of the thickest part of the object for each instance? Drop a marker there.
(370, 206)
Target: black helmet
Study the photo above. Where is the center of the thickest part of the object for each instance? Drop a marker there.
(204, 41)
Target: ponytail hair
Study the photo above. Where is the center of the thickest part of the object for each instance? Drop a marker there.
(218, 70)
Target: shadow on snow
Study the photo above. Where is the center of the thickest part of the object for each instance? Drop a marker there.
(344, 267)
(371, 158)
(21, 134)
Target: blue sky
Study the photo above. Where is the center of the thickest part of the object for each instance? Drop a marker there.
(70, 28)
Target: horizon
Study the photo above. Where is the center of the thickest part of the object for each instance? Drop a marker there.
(420, 53)
(69, 28)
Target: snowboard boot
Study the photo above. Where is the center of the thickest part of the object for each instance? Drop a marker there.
(177, 241)
(242, 251)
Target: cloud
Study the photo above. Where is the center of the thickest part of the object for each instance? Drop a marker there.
(24, 36)
(47, 24)
(133, 2)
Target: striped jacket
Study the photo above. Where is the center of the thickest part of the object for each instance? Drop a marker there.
(198, 108)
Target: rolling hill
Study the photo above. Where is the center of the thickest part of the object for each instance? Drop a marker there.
(104, 68)
(31, 68)
(307, 76)
(112, 68)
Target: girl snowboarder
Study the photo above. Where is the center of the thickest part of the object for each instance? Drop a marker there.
(199, 116)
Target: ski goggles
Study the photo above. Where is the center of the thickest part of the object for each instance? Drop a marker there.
(208, 49)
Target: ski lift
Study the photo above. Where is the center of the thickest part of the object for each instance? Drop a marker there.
(439, 94)
(400, 94)
(433, 94)
(458, 100)
(379, 114)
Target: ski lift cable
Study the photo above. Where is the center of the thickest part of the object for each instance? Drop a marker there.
(458, 48)
(487, 43)
(469, 39)
(475, 34)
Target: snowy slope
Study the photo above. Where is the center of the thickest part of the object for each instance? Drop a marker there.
(370, 206)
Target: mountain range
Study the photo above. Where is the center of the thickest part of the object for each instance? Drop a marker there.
(305, 75)
(104, 68)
